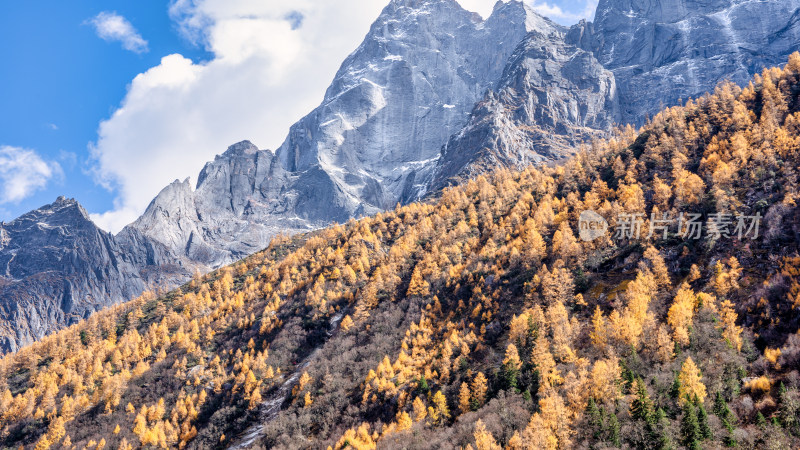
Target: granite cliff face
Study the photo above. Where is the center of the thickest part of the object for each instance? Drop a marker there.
(397, 100)
(57, 267)
(638, 57)
(551, 98)
(662, 51)
(233, 212)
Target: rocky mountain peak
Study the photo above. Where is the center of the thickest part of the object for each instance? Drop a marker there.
(551, 98)
(58, 267)
(177, 191)
(406, 12)
(62, 202)
(515, 10)
(421, 4)
(371, 143)
(240, 148)
(63, 211)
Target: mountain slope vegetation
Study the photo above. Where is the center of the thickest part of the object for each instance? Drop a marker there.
(479, 319)
(398, 122)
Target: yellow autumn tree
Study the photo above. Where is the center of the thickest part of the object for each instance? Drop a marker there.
(518, 328)
(605, 377)
(691, 381)
(562, 331)
(681, 313)
(544, 363)
(464, 399)
(558, 284)
(439, 413)
(515, 442)
(731, 332)
(725, 278)
(359, 439)
(550, 427)
(404, 421)
(420, 412)
(599, 334)
(418, 286)
(483, 438)
(688, 187)
(658, 267)
(639, 294)
(538, 435)
(512, 357)
(346, 323)
(534, 246)
(479, 388)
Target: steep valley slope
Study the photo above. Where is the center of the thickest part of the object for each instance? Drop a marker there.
(479, 319)
(432, 97)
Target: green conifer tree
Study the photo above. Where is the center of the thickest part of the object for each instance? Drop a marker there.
(690, 428)
(614, 429)
(702, 420)
(642, 406)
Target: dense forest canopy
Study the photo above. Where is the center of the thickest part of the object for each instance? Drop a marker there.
(479, 319)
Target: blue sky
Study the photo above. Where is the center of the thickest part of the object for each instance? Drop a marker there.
(58, 80)
(108, 101)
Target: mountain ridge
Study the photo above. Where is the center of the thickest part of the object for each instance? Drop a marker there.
(685, 48)
(59, 268)
(362, 149)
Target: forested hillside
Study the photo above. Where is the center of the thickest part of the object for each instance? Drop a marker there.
(479, 320)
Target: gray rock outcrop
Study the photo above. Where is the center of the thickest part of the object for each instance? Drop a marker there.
(662, 51)
(639, 57)
(233, 212)
(551, 98)
(57, 268)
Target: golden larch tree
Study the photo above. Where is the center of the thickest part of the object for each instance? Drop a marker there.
(512, 357)
(420, 412)
(483, 438)
(691, 381)
(480, 385)
(681, 313)
(731, 332)
(544, 362)
(464, 398)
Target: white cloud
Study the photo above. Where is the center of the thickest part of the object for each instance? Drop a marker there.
(69, 159)
(111, 27)
(23, 172)
(565, 12)
(574, 13)
(272, 61)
